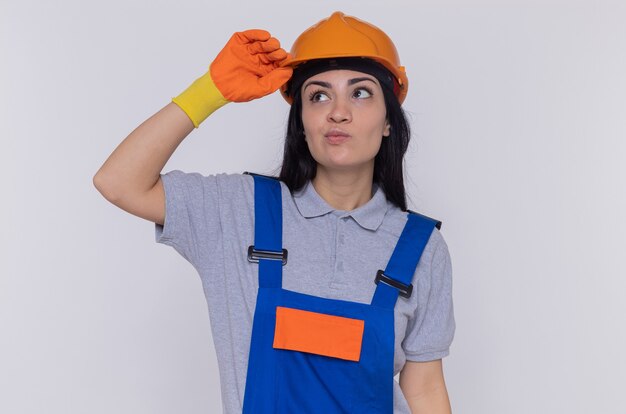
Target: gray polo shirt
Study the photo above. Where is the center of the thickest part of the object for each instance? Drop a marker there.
(334, 254)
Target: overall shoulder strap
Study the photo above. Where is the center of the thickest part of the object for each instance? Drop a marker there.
(397, 277)
(268, 231)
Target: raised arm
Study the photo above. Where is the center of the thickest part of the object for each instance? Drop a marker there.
(248, 67)
(130, 177)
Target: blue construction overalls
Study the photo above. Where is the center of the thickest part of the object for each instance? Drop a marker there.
(312, 355)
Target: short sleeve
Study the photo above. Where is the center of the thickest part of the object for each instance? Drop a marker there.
(431, 330)
(192, 222)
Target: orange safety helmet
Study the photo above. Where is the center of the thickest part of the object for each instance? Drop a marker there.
(346, 36)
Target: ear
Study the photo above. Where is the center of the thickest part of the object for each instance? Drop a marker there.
(387, 129)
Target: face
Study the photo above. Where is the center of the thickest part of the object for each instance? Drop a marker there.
(344, 118)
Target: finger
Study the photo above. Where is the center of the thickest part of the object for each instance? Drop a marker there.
(263, 47)
(286, 61)
(271, 58)
(275, 79)
(263, 58)
(277, 55)
(252, 35)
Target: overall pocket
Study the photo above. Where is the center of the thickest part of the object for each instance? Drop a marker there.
(318, 333)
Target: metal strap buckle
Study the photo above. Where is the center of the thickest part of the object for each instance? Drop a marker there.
(404, 290)
(254, 255)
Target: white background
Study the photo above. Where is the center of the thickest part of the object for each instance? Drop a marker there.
(518, 111)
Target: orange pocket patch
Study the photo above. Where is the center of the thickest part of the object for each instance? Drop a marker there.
(318, 333)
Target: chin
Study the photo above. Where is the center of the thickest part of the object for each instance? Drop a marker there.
(345, 166)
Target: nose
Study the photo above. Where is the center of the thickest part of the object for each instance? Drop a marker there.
(340, 111)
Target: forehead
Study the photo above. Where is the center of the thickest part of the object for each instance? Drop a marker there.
(340, 76)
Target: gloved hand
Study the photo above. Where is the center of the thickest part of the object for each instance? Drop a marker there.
(247, 68)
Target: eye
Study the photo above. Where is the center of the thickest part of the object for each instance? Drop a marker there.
(362, 93)
(318, 96)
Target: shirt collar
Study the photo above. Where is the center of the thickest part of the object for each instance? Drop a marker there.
(369, 216)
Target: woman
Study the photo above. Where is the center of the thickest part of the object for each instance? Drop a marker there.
(320, 286)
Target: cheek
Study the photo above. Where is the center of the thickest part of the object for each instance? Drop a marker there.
(376, 123)
(312, 124)
(308, 118)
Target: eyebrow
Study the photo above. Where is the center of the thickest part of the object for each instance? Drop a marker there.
(329, 86)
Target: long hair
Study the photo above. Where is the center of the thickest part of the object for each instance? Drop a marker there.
(299, 166)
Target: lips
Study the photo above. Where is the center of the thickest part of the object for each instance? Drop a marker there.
(336, 136)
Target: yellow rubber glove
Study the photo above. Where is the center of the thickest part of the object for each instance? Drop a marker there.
(247, 68)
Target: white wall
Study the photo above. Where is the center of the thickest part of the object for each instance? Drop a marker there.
(519, 117)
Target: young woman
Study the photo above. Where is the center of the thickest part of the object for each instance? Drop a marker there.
(321, 285)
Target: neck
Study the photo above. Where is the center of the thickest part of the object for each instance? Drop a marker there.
(343, 191)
